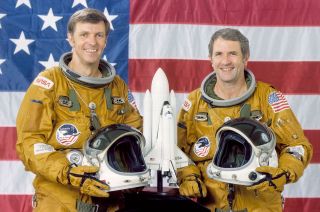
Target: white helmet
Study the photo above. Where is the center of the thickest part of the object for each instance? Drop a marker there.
(117, 151)
(243, 144)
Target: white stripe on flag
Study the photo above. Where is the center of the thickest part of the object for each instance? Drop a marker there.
(14, 179)
(266, 43)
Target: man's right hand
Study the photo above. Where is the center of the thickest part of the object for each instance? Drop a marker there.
(192, 186)
(83, 177)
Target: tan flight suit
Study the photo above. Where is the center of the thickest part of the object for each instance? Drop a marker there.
(50, 123)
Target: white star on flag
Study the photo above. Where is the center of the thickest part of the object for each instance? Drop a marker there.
(22, 43)
(50, 20)
(25, 2)
(1, 16)
(109, 17)
(76, 2)
(50, 63)
(1, 61)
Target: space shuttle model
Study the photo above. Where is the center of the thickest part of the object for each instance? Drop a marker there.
(161, 152)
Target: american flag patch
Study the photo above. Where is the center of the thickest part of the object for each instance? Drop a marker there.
(278, 102)
(132, 101)
(201, 147)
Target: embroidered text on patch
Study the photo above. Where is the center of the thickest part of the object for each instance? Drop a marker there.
(201, 147)
(186, 105)
(40, 148)
(43, 82)
(278, 102)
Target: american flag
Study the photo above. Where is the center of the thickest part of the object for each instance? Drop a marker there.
(278, 102)
(174, 35)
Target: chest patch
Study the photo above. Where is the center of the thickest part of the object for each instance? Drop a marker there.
(201, 116)
(117, 100)
(67, 134)
(201, 147)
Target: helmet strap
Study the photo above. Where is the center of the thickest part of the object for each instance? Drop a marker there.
(230, 196)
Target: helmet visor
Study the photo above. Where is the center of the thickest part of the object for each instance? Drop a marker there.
(125, 155)
(234, 152)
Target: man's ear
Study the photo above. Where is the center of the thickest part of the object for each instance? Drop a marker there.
(245, 60)
(70, 40)
(210, 59)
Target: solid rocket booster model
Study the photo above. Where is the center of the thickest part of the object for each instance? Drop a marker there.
(160, 129)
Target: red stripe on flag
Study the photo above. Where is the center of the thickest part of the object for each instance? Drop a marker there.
(314, 138)
(8, 149)
(227, 12)
(8, 143)
(16, 203)
(301, 204)
(187, 75)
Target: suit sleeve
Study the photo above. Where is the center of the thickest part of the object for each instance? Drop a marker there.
(294, 149)
(34, 128)
(186, 137)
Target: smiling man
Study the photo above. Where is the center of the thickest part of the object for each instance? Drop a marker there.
(62, 108)
(225, 95)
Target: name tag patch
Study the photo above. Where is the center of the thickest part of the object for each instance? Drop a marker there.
(202, 116)
(41, 148)
(117, 100)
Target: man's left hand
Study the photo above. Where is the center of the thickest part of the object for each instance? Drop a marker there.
(275, 179)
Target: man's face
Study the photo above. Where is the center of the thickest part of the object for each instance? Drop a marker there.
(227, 60)
(88, 42)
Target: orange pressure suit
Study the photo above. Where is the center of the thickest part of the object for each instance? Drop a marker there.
(54, 118)
(200, 118)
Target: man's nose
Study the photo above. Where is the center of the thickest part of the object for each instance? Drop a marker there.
(92, 40)
(225, 59)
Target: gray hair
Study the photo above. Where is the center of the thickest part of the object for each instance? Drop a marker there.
(87, 15)
(232, 35)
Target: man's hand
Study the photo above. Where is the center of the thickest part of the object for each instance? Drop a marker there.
(192, 186)
(275, 179)
(83, 177)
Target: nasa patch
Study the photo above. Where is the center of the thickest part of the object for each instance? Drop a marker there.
(67, 134)
(186, 105)
(43, 82)
(201, 147)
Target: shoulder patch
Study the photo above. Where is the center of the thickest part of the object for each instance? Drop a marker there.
(132, 101)
(278, 102)
(186, 105)
(43, 82)
(201, 147)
